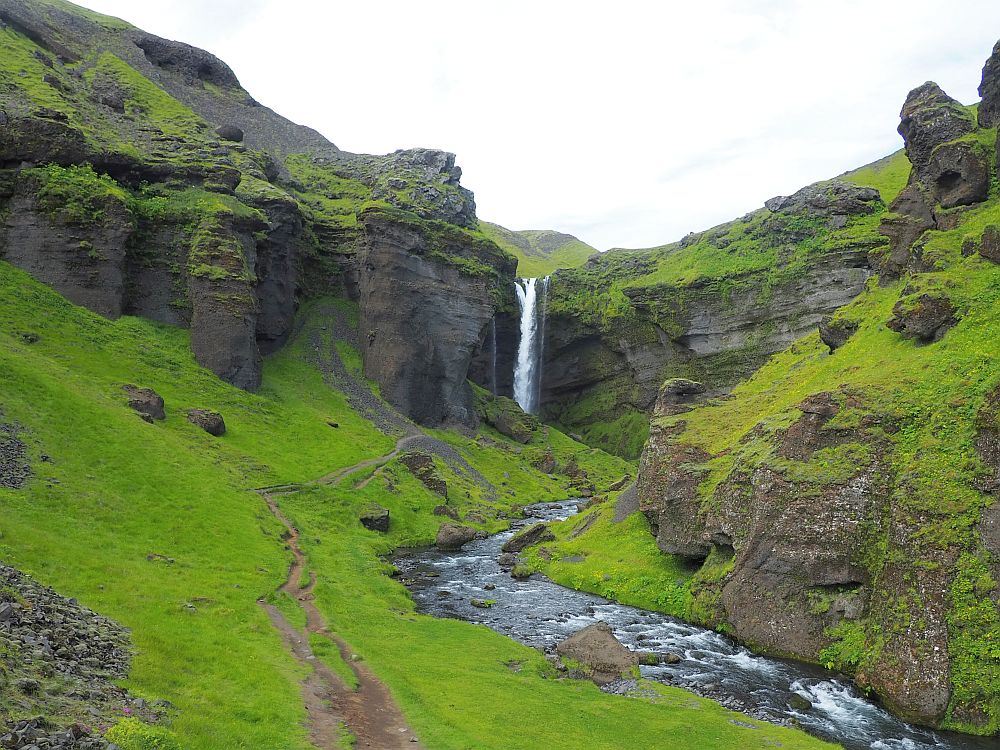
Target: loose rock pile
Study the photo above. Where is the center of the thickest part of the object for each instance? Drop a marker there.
(14, 465)
(58, 658)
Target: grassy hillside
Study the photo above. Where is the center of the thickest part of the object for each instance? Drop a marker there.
(539, 252)
(120, 496)
(922, 405)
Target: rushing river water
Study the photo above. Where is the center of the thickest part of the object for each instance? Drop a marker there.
(540, 613)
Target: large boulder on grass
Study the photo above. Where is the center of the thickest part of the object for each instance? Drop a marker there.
(597, 649)
(210, 421)
(145, 401)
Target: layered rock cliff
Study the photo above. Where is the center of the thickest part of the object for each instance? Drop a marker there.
(712, 307)
(840, 505)
(137, 177)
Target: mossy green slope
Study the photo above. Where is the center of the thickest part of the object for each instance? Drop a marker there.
(119, 490)
(927, 402)
(539, 252)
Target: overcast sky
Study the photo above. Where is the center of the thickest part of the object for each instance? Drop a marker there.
(625, 123)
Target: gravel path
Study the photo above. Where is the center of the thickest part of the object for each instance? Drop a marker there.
(385, 418)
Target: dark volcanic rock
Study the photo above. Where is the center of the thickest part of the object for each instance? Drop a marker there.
(190, 62)
(210, 421)
(597, 648)
(910, 216)
(833, 198)
(531, 536)
(147, 402)
(836, 332)
(15, 468)
(507, 417)
(453, 536)
(63, 656)
(926, 318)
(421, 465)
(989, 90)
(989, 246)
(928, 119)
(375, 518)
(230, 133)
(960, 172)
(423, 315)
(676, 395)
(81, 254)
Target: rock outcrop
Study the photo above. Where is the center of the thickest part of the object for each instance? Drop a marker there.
(536, 534)
(989, 90)
(208, 420)
(603, 655)
(713, 330)
(454, 536)
(147, 402)
(154, 185)
(423, 314)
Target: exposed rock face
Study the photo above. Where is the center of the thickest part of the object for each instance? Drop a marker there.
(926, 318)
(726, 338)
(423, 315)
(597, 648)
(421, 465)
(201, 221)
(835, 333)
(674, 396)
(375, 518)
(788, 549)
(210, 421)
(81, 254)
(989, 246)
(531, 536)
(147, 402)
(928, 119)
(989, 90)
(454, 536)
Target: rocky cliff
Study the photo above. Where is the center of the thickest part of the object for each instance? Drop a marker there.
(711, 307)
(840, 505)
(137, 177)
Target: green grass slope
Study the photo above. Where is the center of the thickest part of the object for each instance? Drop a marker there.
(119, 490)
(539, 252)
(930, 398)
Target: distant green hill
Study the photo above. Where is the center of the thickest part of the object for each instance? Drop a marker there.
(539, 252)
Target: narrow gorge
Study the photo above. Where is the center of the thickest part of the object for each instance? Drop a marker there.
(282, 426)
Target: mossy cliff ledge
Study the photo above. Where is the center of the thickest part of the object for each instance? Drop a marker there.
(137, 177)
(840, 505)
(711, 307)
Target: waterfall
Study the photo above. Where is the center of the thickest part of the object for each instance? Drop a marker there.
(528, 370)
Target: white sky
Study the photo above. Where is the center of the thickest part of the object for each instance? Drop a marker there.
(625, 123)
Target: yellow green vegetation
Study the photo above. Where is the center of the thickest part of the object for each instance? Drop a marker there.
(539, 252)
(119, 489)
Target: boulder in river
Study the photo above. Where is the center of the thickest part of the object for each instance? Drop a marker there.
(533, 535)
(454, 536)
(597, 648)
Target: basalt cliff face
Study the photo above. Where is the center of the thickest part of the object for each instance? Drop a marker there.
(137, 177)
(841, 504)
(712, 307)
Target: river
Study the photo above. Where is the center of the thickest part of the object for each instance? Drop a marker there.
(540, 613)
